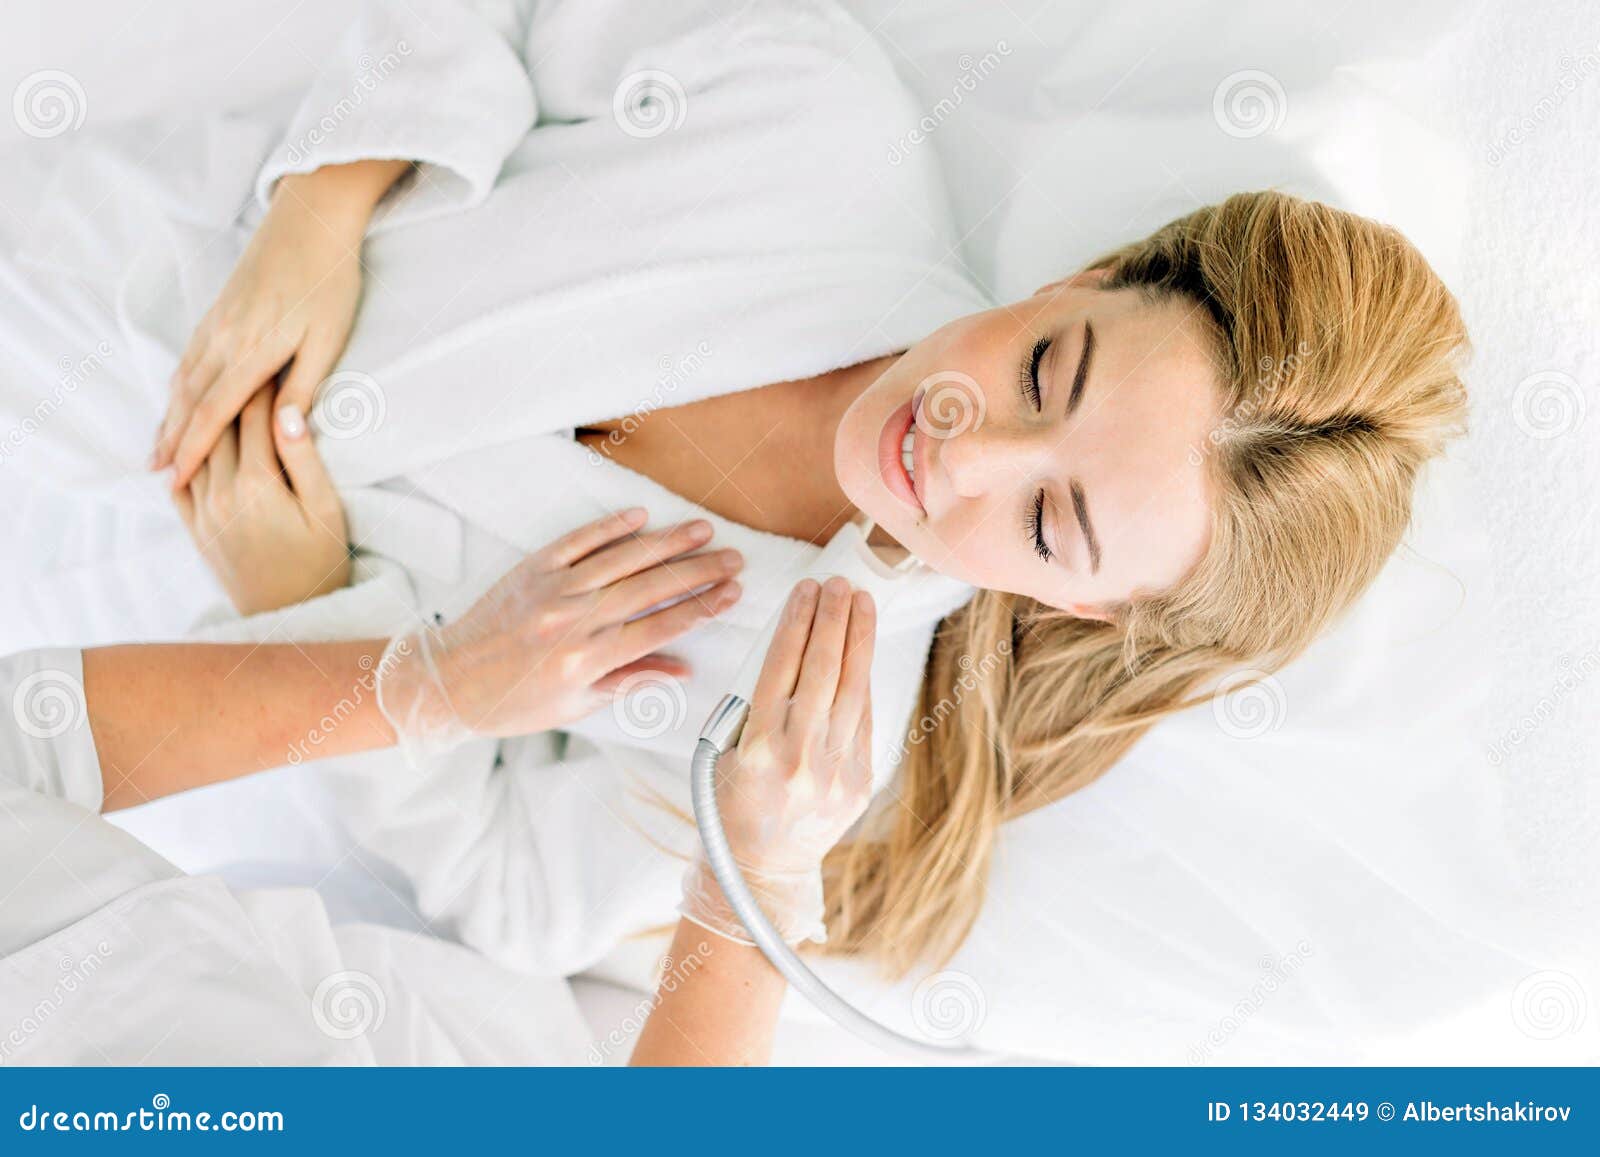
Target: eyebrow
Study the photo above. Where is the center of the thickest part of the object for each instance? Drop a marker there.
(1080, 506)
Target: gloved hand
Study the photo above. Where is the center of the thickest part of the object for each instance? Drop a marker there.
(801, 774)
(552, 639)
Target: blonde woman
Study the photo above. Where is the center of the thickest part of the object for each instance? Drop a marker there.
(1189, 457)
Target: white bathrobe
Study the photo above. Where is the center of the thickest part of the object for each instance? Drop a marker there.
(711, 201)
(110, 955)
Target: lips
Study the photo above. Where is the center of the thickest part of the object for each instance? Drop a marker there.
(891, 463)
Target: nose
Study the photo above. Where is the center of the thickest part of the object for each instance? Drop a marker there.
(991, 455)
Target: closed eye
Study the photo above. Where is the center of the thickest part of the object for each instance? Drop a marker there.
(1035, 526)
(1029, 378)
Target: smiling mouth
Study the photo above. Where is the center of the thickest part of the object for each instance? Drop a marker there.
(897, 456)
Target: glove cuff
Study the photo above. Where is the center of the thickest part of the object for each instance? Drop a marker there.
(791, 900)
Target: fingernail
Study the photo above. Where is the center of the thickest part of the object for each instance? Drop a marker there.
(700, 528)
(291, 422)
(836, 586)
(730, 594)
(730, 560)
(862, 603)
(632, 515)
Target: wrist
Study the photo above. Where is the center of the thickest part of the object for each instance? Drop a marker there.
(343, 197)
(791, 901)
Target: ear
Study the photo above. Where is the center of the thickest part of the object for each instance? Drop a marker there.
(1085, 611)
(1088, 279)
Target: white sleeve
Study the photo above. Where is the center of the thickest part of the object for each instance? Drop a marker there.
(46, 747)
(543, 859)
(59, 861)
(442, 83)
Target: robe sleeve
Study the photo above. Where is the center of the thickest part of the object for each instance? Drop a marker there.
(541, 852)
(442, 83)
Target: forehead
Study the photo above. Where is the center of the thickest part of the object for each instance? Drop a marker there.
(1138, 448)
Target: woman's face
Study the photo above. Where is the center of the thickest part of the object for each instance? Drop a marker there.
(1054, 445)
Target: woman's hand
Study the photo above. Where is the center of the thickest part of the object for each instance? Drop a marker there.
(290, 302)
(802, 772)
(557, 636)
(273, 537)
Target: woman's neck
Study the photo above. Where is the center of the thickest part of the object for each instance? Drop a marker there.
(762, 457)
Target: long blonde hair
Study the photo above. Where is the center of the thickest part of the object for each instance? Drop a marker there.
(1338, 353)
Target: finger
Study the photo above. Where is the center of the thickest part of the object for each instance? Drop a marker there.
(313, 363)
(308, 474)
(198, 488)
(622, 643)
(781, 668)
(221, 404)
(819, 670)
(855, 677)
(187, 390)
(223, 461)
(664, 665)
(569, 548)
(668, 580)
(256, 453)
(184, 501)
(636, 553)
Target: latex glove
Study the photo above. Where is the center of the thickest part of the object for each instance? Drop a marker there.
(553, 640)
(264, 513)
(801, 774)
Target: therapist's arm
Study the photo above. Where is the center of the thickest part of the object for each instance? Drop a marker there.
(167, 718)
(717, 1004)
(800, 776)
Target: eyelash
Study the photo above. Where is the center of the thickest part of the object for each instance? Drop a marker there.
(1035, 526)
(1029, 377)
(1029, 382)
